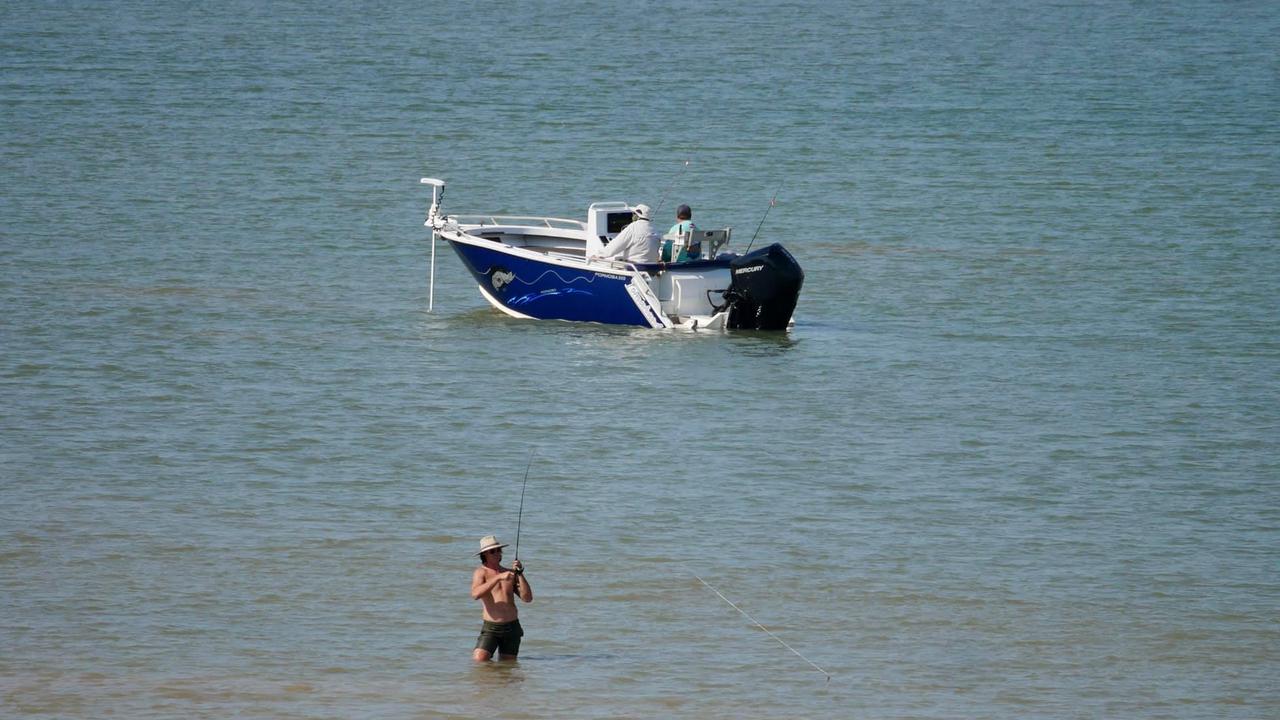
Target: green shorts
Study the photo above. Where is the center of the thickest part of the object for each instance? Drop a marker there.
(503, 637)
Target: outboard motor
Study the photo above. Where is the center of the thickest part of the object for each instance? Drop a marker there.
(764, 289)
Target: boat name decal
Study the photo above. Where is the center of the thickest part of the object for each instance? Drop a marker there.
(610, 277)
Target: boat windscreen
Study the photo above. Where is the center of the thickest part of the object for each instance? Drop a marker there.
(618, 221)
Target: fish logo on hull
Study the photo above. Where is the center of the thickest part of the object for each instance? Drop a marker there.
(501, 278)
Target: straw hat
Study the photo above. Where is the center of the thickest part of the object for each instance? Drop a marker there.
(490, 542)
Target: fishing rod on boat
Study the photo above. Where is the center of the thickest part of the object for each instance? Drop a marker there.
(674, 178)
(772, 201)
(762, 627)
(520, 516)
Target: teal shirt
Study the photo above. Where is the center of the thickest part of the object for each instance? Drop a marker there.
(681, 227)
(691, 253)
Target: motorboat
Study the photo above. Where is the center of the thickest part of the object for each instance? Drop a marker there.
(548, 268)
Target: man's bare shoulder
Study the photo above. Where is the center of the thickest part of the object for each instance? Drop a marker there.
(483, 573)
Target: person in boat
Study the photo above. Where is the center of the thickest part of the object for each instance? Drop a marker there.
(497, 587)
(684, 225)
(638, 242)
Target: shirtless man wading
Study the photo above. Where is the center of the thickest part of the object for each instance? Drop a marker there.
(497, 588)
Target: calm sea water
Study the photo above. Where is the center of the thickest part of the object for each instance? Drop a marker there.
(1017, 459)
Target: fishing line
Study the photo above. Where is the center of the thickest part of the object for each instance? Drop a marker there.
(520, 517)
(762, 627)
(772, 201)
(674, 178)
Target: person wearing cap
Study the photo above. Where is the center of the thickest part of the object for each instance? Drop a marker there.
(684, 225)
(638, 242)
(497, 587)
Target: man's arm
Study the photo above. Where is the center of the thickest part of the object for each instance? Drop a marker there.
(522, 584)
(481, 587)
(617, 247)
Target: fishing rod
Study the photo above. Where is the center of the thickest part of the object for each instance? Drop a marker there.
(520, 516)
(772, 201)
(672, 184)
(762, 627)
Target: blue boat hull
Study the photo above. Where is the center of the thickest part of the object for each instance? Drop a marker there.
(535, 288)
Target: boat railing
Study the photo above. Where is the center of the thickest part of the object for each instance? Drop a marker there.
(572, 257)
(520, 221)
(617, 264)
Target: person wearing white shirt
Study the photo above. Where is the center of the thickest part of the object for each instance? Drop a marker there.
(638, 242)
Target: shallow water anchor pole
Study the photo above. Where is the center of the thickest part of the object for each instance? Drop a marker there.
(437, 192)
(431, 291)
(767, 630)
